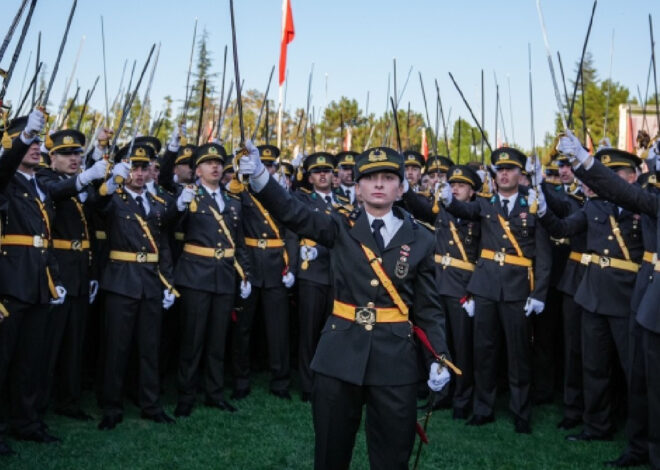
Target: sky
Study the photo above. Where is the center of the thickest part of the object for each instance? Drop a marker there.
(352, 44)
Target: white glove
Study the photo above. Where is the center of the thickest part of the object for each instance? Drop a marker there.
(533, 167)
(93, 290)
(281, 179)
(571, 146)
(539, 197)
(288, 279)
(61, 295)
(121, 169)
(95, 172)
(406, 185)
(251, 163)
(246, 289)
(35, 125)
(309, 253)
(468, 306)
(168, 298)
(185, 198)
(604, 144)
(446, 195)
(654, 152)
(296, 162)
(438, 377)
(533, 306)
(175, 138)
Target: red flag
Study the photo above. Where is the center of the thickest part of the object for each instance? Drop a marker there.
(630, 140)
(590, 144)
(347, 139)
(288, 34)
(425, 144)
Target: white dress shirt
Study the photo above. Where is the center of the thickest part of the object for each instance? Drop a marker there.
(217, 197)
(42, 195)
(145, 201)
(392, 225)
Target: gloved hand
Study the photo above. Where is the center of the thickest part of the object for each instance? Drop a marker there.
(93, 290)
(654, 152)
(185, 198)
(533, 306)
(95, 172)
(533, 167)
(35, 125)
(246, 289)
(288, 280)
(168, 299)
(175, 138)
(251, 163)
(297, 161)
(571, 146)
(446, 195)
(539, 197)
(309, 253)
(468, 306)
(604, 144)
(438, 377)
(121, 169)
(406, 185)
(61, 295)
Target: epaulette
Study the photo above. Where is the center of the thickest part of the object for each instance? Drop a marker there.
(159, 199)
(343, 199)
(485, 195)
(577, 197)
(229, 195)
(305, 190)
(422, 223)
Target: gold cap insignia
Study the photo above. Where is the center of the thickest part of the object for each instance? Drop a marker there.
(139, 152)
(320, 159)
(213, 150)
(503, 156)
(67, 140)
(349, 158)
(267, 153)
(605, 159)
(458, 172)
(187, 152)
(377, 156)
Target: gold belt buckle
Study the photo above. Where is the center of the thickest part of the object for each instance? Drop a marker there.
(76, 245)
(37, 241)
(446, 260)
(585, 259)
(365, 316)
(499, 257)
(604, 262)
(261, 243)
(141, 257)
(219, 253)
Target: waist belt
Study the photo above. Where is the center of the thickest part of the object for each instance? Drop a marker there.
(264, 243)
(207, 252)
(607, 262)
(578, 257)
(368, 315)
(139, 257)
(650, 257)
(504, 258)
(73, 245)
(34, 241)
(446, 260)
(101, 235)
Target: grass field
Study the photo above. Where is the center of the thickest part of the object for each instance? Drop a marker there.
(269, 433)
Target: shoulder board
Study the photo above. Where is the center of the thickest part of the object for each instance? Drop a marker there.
(577, 197)
(485, 195)
(342, 198)
(304, 190)
(158, 198)
(423, 224)
(229, 196)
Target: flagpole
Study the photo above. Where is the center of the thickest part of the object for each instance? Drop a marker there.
(279, 118)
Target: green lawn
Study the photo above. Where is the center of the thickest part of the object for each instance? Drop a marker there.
(268, 433)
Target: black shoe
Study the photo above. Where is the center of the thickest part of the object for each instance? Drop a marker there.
(5, 450)
(38, 436)
(306, 397)
(221, 404)
(628, 460)
(109, 422)
(480, 420)
(522, 426)
(585, 436)
(568, 423)
(161, 417)
(460, 413)
(283, 394)
(77, 414)
(183, 410)
(240, 393)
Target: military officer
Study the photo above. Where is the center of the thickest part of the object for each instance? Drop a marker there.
(214, 258)
(382, 264)
(345, 172)
(414, 162)
(509, 284)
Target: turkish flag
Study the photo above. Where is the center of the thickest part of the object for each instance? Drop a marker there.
(288, 34)
(425, 145)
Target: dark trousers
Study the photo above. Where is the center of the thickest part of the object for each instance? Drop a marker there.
(495, 323)
(573, 396)
(205, 319)
(604, 341)
(124, 318)
(651, 349)
(314, 307)
(637, 420)
(63, 354)
(461, 330)
(22, 342)
(275, 304)
(545, 348)
(390, 423)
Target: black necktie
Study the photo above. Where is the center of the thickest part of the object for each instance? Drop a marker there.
(328, 199)
(33, 184)
(505, 207)
(376, 225)
(141, 209)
